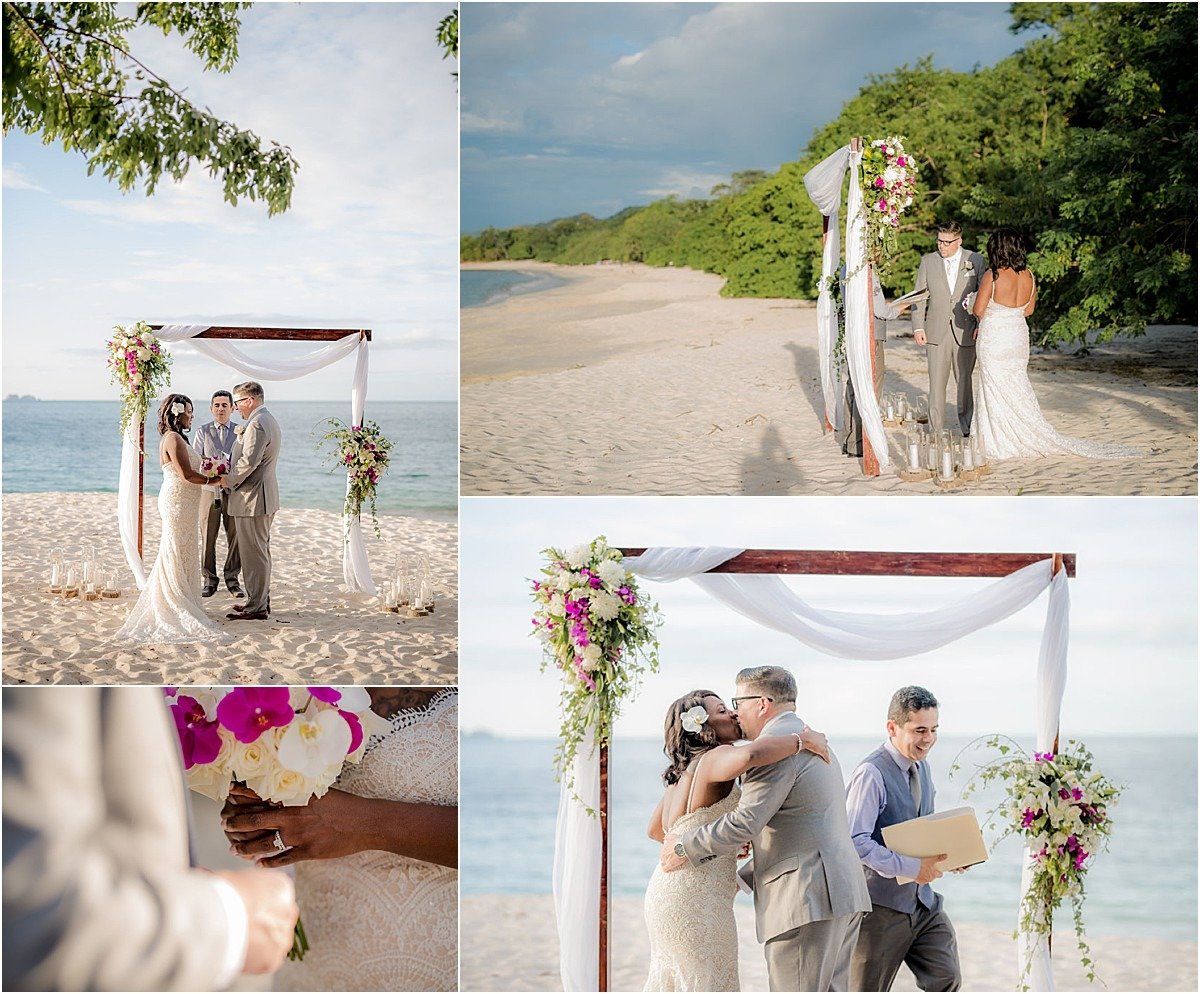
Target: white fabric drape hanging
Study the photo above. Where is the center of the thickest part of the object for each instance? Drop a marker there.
(766, 599)
(824, 185)
(576, 880)
(860, 343)
(355, 567)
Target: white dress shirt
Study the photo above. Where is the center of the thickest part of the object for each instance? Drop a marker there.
(951, 264)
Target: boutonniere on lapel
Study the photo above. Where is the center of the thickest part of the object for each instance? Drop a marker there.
(238, 429)
(968, 267)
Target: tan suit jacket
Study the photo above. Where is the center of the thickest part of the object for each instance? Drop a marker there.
(98, 891)
(943, 314)
(253, 489)
(794, 811)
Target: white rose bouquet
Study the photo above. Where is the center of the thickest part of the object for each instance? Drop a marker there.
(287, 744)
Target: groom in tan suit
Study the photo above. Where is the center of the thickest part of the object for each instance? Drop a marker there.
(254, 498)
(945, 325)
(98, 891)
(809, 893)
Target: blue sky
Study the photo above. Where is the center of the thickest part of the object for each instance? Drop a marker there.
(361, 95)
(594, 107)
(1132, 659)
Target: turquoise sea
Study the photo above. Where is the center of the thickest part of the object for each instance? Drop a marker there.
(1144, 885)
(75, 446)
(480, 287)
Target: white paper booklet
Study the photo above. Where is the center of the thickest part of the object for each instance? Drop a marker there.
(954, 832)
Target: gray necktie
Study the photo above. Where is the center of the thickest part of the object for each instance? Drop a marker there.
(914, 785)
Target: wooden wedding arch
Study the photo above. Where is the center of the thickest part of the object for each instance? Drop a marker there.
(237, 334)
(824, 563)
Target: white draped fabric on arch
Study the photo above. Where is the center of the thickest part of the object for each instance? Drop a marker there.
(766, 599)
(356, 570)
(824, 185)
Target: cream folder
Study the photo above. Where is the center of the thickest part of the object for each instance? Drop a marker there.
(954, 832)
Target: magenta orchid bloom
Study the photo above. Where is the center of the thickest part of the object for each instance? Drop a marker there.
(327, 695)
(199, 738)
(579, 634)
(250, 711)
(356, 730)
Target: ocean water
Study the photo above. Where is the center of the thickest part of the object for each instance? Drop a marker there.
(480, 287)
(75, 446)
(1144, 885)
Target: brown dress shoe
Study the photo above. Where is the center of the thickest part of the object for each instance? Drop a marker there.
(248, 616)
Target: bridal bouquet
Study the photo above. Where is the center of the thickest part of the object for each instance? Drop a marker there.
(889, 182)
(1059, 805)
(363, 451)
(600, 634)
(213, 466)
(140, 366)
(286, 744)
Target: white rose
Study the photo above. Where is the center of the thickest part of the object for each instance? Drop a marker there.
(209, 780)
(591, 658)
(556, 608)
(251, 760)
(579, 556)
(288, 787)
(142, 352)
(564, 582)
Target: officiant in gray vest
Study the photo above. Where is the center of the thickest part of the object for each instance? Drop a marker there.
(217, 439)
(906, 924)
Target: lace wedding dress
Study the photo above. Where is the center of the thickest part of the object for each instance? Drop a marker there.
(1008, 417)
(689, 915)
(376, 921)
(169, 609)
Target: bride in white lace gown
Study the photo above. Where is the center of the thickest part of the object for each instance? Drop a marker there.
(1008, 418)
(689, 913)
(376, 858)
(169, 608)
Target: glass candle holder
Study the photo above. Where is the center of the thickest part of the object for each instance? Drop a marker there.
(889, 406)
(945, 456)
(71, 583)
(912, 448)
(56, 580)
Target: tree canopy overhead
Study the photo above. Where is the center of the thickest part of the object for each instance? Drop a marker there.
(71, 77)
(1084, 140)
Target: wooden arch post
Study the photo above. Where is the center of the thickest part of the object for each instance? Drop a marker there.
(823, 563)
(238, 334)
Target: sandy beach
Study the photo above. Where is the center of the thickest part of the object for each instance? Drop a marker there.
(634, 380)
(316, 633)
(510, 944)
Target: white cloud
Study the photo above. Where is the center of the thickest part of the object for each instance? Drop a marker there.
(15, 178)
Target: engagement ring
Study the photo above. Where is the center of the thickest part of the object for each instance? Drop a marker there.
(278, 842)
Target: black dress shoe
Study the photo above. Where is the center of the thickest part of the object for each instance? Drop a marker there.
(208, 591)
(234, 589)
(240, 608)
(248, 616)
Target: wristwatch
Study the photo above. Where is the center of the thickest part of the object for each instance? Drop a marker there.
(680, 851)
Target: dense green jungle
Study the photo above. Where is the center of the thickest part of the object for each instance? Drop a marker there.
(1084, 140)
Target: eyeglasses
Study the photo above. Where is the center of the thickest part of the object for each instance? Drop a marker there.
(752, 697)
(943, 241)
(240, 400)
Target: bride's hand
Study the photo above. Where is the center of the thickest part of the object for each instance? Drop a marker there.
(815, 742)
(242, 799)
(324, 828)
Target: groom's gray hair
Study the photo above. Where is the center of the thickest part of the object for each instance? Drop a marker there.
(250, 389)
(770, 681)
(906, 700)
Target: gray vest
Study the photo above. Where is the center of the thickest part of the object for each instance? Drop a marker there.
(899, 807)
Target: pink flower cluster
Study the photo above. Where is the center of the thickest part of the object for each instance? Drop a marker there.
(892, 177)
(246, 712)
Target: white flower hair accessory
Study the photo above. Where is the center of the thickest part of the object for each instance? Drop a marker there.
(178, 408)
(694, 717)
